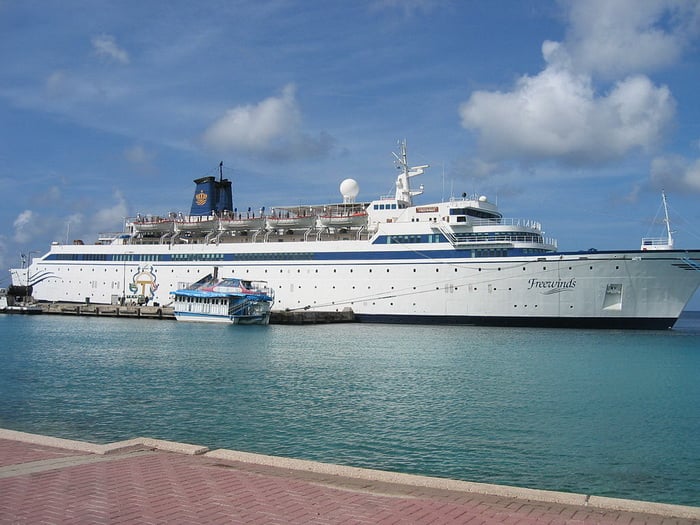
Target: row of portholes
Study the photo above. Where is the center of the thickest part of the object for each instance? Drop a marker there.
(437, 270)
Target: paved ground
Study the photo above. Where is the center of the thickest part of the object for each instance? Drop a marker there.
(47, 480)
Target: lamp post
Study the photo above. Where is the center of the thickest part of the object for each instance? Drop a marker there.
(126, 256)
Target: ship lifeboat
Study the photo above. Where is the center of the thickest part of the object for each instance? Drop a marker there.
(344, 220)
(290, 223)
(205, 223)
(153, 224)
(241, 224)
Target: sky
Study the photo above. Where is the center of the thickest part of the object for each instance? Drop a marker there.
(572, 113)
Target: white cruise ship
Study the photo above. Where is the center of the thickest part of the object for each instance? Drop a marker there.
(389, 260)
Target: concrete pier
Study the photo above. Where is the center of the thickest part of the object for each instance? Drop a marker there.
(108, 310)
(296, 317)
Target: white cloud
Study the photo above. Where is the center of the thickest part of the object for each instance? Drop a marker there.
(256, 127)
(106, 46)
(139, 155)
(676, 173)
(271, 128)
(110, 219)
(557, 114)
(614, 38)
(25, 226)
(561, 114)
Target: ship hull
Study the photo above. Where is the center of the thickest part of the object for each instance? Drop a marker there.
(625, 323)
(393, 283)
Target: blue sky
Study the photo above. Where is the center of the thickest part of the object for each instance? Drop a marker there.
(573, 113)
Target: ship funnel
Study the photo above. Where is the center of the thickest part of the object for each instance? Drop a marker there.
(211, 195)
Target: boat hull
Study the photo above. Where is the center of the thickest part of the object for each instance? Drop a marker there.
(396, 283)
(222, 319)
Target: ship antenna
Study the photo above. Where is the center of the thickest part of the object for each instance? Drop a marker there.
(221, 171)
(666, 219)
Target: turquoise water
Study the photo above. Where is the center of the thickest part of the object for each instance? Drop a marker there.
(613, 413)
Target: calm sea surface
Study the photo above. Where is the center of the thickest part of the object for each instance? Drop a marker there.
(613, 413)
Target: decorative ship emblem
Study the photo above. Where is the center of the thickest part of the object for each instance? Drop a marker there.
(200, 198)
(144, 282)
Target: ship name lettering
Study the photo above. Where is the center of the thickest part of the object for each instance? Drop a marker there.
(560, 283)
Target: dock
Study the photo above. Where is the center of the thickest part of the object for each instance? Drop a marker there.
(295, 317)
(108, 310)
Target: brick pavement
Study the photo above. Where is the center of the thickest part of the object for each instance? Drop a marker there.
(140, 482)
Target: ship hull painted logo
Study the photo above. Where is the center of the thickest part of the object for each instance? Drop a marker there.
(144, 282)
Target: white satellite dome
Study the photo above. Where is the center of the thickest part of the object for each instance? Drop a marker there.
(349, 189)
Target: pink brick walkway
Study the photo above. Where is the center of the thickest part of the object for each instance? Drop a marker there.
(139, 484)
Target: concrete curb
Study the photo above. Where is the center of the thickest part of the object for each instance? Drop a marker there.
(109, 448)
(565, 498)
(545, 496)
